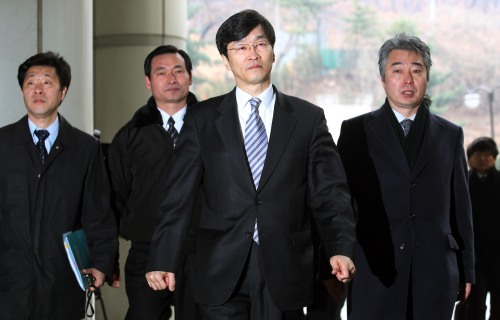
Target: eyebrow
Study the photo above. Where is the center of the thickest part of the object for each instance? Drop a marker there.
(412, 63)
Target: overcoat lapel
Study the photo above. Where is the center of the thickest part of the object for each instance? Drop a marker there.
(381, 136)
(429, 144)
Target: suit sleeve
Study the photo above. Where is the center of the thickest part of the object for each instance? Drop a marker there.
(119, 172)
(176, 210)
(330, 201)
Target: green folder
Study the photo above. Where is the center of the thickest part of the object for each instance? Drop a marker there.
(75, 243)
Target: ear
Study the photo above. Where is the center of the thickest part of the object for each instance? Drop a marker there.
(148, 83)
(226, 62)
(63, 93)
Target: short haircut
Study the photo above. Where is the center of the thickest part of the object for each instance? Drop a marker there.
(402, 41)
(239, 25)
(51, 59)
(165, 49)
(482, 144)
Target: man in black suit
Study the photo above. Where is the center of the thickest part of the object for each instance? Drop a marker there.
(139, 162)
(414, 248)
(254, 257)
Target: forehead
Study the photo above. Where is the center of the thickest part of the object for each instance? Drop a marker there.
(167, 60)
(404, 57)
(257, 33)
(46, 71)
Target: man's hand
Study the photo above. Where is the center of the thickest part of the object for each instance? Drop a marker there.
(464, 291)
(161, 280)
(98, 275)
(343, 268)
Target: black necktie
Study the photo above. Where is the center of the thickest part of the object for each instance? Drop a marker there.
(171, 130)
(406, 123)
(42, 136)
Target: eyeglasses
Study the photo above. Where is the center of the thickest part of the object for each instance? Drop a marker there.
(244, 48)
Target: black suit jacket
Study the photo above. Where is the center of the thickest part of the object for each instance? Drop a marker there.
(302, 175)
(413, 226)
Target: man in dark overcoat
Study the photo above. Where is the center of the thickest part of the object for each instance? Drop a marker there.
(407, 174)
(52, 180)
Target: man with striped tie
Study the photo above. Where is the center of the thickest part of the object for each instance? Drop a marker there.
(139, 162)
(269, 170)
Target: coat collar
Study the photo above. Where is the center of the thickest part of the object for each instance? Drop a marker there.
(385, 140)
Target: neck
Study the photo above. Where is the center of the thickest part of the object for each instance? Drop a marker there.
(171, 108)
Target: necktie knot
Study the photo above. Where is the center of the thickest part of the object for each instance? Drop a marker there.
(406, 123)
(42, 136)
(255, 103)
(171, 130)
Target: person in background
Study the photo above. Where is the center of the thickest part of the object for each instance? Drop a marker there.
(52, 181)
(484, 189)
(139, 160)
(407, 174)
(268, 169)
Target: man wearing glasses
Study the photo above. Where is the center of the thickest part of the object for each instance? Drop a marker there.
(269, 170)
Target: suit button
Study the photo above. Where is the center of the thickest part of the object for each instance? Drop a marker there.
(402, 246)
(258, 202)
(248, 234)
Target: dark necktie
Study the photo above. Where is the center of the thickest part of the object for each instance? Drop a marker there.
(171, 130)
(406, 123)
(42, 136)
(256, 147)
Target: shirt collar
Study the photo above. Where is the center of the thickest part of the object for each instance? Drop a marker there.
(400, 117)
(178, 118)
(265, 97)
(53, 130)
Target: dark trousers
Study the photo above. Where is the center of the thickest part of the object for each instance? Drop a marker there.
(144, 302)
(329, 298)
(474, 308)
(251, 299)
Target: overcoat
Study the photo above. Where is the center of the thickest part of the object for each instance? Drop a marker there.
(413, 227)
(38, 203)
(303, 182)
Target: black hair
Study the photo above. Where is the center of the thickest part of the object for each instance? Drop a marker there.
(164, 49)
(482, 144)
(239, 25)
(51, 59)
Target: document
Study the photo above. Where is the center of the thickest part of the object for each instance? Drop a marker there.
(75, 243)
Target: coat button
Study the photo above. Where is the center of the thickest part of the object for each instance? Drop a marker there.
(248, 234)
(412, 185)
(258, 202)
(402, 246)
(412, 215)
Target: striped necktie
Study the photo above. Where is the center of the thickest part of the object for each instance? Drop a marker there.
(171, 130)
(256, 147)
(406, 123)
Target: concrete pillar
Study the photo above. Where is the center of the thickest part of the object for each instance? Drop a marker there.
(32, 26)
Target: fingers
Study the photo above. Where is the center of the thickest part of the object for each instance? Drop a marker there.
(343, 268)
(160, 280)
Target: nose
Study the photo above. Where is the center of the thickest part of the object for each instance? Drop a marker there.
(408, 79)
(38, 88)
(171, 78)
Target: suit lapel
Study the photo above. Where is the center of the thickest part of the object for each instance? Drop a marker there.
(281, 131)
(384, 141)
(229, 128)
